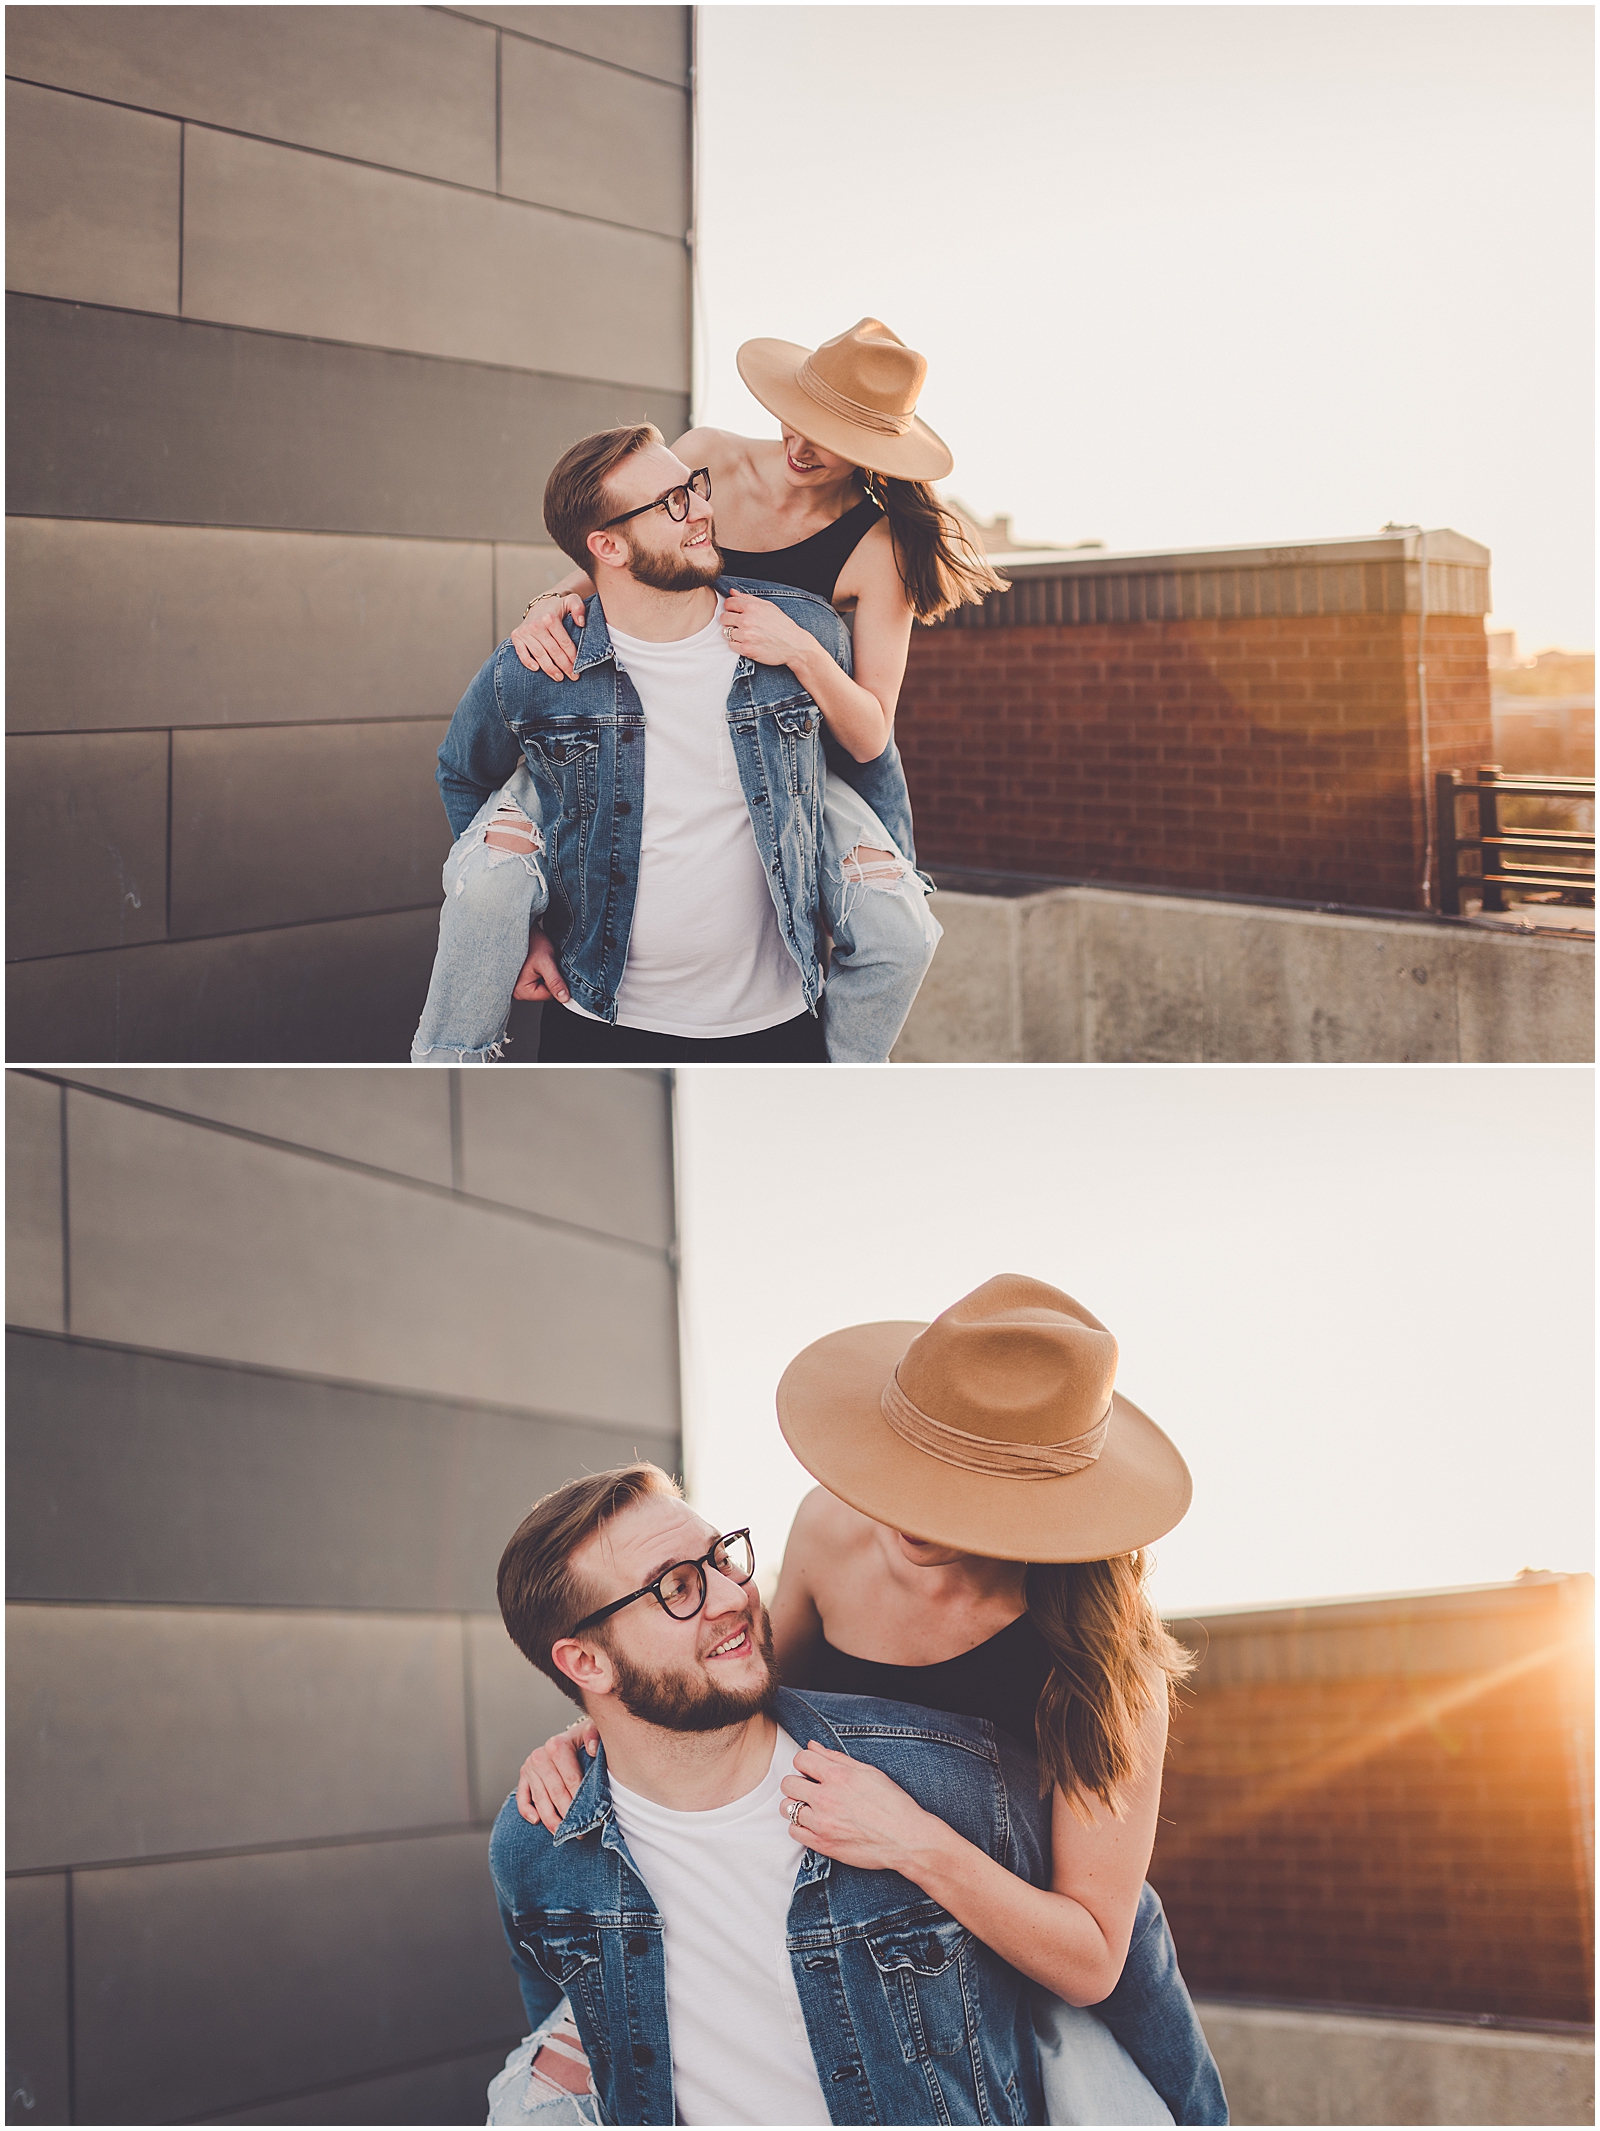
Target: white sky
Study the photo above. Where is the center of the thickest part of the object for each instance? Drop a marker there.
(1379, 1382)
(1187, 275)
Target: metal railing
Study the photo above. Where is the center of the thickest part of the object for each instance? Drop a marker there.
(1481, 853)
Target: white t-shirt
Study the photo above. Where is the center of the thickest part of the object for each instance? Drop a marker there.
(723, 1881)
(705, 956)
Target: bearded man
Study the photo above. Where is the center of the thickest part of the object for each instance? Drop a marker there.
(719, 1970)
(660, 892)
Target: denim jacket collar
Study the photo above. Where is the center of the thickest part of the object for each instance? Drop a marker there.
(594, 639)
(591, 1807)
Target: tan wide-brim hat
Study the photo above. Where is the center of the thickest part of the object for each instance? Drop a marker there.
(855, 395)
(995, 1429)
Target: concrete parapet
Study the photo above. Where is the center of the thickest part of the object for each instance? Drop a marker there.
(1293, 2066)
(1112, 976)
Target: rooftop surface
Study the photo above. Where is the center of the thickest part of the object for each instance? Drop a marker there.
(1444, 545)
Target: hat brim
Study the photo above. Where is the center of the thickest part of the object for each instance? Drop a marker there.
(771, 367)
(828, 1408)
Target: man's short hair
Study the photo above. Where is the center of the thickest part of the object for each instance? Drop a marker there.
(576, 499)
(541, 1596)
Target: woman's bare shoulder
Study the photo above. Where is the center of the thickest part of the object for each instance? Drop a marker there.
(719, 449)
(871, 568)
(822, 1520)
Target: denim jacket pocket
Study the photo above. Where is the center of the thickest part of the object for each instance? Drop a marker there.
(566, 771)
(797, 719)
(570, 1956)
(567, 761)
(923, 1970)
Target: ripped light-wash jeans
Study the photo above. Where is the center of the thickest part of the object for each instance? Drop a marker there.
(883, 932)
(1089, 2078)
(517, 2096)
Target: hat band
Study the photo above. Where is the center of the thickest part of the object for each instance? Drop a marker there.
(982, 1453)
(818, 389)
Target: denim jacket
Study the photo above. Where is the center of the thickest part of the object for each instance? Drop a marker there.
(584, 743)
(910, 2018)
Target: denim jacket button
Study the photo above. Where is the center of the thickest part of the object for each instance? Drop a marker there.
(643, 2055)
(638, 1943)
(624, 806)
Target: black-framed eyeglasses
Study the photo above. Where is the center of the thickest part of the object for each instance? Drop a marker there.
(675, 502)
(681, 1589)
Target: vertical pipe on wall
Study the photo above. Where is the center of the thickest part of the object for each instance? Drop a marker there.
(1429, 803)
(72, 1999)
(1430, 817)
(66, 1222)
(183, 137)
(469, 1716)
(684, 1352)
(692, 235)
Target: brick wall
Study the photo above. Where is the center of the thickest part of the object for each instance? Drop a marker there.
(1390, 1804)
(1173, 722)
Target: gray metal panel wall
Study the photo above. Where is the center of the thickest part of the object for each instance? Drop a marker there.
(303, 304)
(287, 1354)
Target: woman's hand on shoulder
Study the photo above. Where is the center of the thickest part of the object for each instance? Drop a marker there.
(758, 630)
(550, 1776)
(540, 639)
(857, 1815)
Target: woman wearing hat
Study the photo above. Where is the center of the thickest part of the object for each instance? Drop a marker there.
(840, 505)
(976, 1546)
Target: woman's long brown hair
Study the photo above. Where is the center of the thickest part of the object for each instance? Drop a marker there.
(1109, 1649)
(938, 564)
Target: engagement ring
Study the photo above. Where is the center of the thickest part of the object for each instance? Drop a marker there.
(794, 1809)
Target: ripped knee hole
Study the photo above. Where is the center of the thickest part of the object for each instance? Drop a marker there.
(883, 870)
(510, 830)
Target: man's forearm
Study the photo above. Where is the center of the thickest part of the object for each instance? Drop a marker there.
(477, 754)
(461, 797)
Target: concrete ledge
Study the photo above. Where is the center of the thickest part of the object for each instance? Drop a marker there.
(1114, 976)
(1286, 2066)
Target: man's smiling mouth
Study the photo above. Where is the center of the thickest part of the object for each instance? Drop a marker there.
(735, 1645)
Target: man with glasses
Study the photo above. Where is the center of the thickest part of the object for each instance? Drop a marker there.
(718, 1970)
(675, 870)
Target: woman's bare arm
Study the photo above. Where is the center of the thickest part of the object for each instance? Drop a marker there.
(1071, 1936)
(539, 639)
(860, 710)
(548, 1780)
(881, 627)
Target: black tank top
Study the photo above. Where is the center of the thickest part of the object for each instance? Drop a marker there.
(814, 563)
(1000, 1679)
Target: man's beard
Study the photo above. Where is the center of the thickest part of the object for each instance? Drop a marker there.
(672, 572)
(685, 1701)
